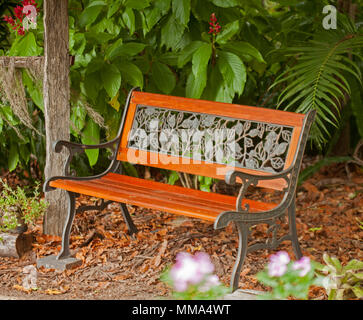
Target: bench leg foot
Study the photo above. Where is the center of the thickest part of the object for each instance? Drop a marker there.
(293, 232)
(129, 223)
(63, 260)
(241, 255)
(52, 262)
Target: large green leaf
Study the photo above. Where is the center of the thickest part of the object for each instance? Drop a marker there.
(13, 157)
(226, 3)
(163, 77)
(181, 11)
(186, 54)
(233, 71)
(228, 31)
(91, 136)
(111, 78)
(92, 84)
(34, 90)
(137, 4)
(196, 85)
(113, 50)
(244, 50)
(131, 73)
(128, 17)
(113, 8)
(25, 46)
(124, 49)
(90, 14)
(171, 33)
(201, 58)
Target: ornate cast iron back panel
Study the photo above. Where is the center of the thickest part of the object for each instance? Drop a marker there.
(210, 138)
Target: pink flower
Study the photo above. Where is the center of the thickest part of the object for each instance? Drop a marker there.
(184, 271)
(204, 264)
(303, 264)
(278, 264)
(190, 269)
(209, 283)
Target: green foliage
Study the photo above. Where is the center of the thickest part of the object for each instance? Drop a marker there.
(319, 77)
(163, 46)
(342, 282)
(17, 207)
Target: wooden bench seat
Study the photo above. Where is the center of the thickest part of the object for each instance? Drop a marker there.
(155, 195)
(240, 144)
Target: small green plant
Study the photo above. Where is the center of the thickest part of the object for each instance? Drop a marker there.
(192, 278)
(340, 282)
(17, 208)
(288, 278)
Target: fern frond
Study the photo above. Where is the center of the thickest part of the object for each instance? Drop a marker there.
(319, 79)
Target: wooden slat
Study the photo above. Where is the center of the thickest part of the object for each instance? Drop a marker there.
(159, 196)
(294, 144)
(219, 108)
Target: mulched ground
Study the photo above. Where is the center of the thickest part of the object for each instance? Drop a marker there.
(115, 266)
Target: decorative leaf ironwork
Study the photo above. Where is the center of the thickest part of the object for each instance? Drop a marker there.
(236, 142)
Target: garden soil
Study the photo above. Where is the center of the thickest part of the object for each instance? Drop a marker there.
(116, 266)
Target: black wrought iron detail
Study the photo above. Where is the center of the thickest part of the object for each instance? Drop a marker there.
(129, 223)
(114, 166)
(245, 219)
(74, 148)
(99, 207)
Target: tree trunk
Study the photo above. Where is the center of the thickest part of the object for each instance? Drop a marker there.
(56, 105)
(15, 245)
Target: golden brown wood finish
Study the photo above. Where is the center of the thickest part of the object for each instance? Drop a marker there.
(159, 196)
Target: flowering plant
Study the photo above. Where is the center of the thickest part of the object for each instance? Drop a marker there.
(288, 278)
(214, 27)
(24, 17)
(192, 278)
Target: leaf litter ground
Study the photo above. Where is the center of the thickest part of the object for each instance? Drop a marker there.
(117, 266)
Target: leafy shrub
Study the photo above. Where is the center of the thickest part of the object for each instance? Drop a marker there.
(342, 282)
(17, 208)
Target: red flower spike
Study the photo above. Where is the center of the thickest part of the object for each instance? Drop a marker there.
(214, 25)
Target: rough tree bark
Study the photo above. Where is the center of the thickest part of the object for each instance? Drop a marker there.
(56, 105)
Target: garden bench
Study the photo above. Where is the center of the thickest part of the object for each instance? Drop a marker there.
(241, 144)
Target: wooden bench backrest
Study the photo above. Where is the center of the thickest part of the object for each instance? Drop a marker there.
(268, 139)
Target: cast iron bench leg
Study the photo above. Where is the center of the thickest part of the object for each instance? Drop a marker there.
(130, 224)
(293, 232)
(241, 255)
(65, 253)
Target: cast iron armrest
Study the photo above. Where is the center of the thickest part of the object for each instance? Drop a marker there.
(232, 175)
(253, 179)
(242, 212)
(58, 145)
(74, 148)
